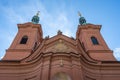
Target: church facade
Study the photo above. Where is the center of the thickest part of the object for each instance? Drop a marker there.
(32, 57)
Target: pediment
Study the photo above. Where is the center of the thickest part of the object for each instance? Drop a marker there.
(60, 44)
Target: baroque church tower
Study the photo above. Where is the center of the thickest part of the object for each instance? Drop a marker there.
(29, 36)
(32, 57)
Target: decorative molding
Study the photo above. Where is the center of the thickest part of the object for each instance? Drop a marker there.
(60, 46)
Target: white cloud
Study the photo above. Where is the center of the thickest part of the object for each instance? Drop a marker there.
(1, 57)
(117, 50)
(117, 53)
(55, 22)
(13, 17)
(68, 33)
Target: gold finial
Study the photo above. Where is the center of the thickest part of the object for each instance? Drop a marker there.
(38, 13)
(79, 14)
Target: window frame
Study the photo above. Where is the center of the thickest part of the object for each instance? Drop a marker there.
(94, 40)
(24, 40)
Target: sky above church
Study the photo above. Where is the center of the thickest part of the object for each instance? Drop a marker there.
(61, 15)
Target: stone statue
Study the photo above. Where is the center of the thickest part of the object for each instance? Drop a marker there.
(82, 20)
(59, 32)
(35, 18)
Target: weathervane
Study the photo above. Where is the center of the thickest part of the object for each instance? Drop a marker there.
(79, 14)
(38, 13)
(82, 20)
(35, 18)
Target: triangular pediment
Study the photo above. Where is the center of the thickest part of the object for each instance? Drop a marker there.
(60, 43)
(60, 46)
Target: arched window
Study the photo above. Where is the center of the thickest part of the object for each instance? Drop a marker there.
(94, 40)
(24, 40)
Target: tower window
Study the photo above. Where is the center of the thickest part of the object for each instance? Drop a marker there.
(94, 40)
(24, 40)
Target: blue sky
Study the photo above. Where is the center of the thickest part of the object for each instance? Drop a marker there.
(61, 15)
